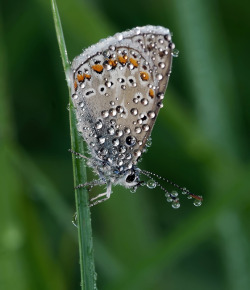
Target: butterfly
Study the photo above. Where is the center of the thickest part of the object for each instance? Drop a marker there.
(117, 88)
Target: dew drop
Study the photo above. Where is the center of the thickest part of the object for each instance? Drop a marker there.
(169, 199)
(184, 191)
(160, 96)
(174, 193)
(119, 109)
(134, 111)
(144, 102)
(127, 130)
(108, 84)
(133, 189)
(151, 183)
(119, 36)
(151, 114)
(112, 112)
(159, 77)
(160, 105)
(137, 31)
(104, 114)
(128, 156)
(149, 142)
(145, 127)
(101, 140)
(197, 202)
(98, 125)
(175, 204)
(111, 131)
(137, 130)
(75, 220)
(119, 133)
(175, 52)
(103, 151)
(122, 149)
(130, 140)
(161, 65)
(137, 153)
(115, 142)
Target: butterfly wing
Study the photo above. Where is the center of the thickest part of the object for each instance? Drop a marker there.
(117, 90)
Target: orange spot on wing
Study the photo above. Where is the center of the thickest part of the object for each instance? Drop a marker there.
(80, 78)
(97, 67)
(88, 77)
(123, 59)
(134, 62)
(144, 76)
(151, 93)
(75, 85)
(112, 62)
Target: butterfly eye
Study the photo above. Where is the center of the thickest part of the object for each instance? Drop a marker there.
(130, 178)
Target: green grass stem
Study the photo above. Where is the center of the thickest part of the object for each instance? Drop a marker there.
(87, 266)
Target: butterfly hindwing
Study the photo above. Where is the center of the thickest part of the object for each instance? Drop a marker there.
(117, 90)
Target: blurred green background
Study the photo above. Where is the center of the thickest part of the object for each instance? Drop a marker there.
(201, 141)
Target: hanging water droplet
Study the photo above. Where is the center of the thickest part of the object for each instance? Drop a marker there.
(169, 199)
(176, 204)
(149, 142)
(175, 52)
(174, 193)
(133, 189)
(197, 202)
(184, 191)
(151, 183)
(75, 220)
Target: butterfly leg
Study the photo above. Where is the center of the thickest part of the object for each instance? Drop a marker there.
(77, 154)
(94, 183)
(107, 194)
(91, 183)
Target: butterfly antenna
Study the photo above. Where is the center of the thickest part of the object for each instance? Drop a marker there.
(171, 197)
(183, 189)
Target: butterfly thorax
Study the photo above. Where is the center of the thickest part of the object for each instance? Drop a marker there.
(127, 176)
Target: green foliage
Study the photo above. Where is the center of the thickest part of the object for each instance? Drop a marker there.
(200, 141)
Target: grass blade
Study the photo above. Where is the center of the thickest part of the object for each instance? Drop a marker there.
(87, 266)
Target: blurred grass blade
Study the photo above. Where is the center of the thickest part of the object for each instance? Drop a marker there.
(60, 37)
(214, 93)
(233, 237)
(87, 266)
(184, 238)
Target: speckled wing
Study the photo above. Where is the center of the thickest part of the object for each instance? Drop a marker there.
(117, 90)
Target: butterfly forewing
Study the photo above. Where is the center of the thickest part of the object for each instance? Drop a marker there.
(117, 90)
